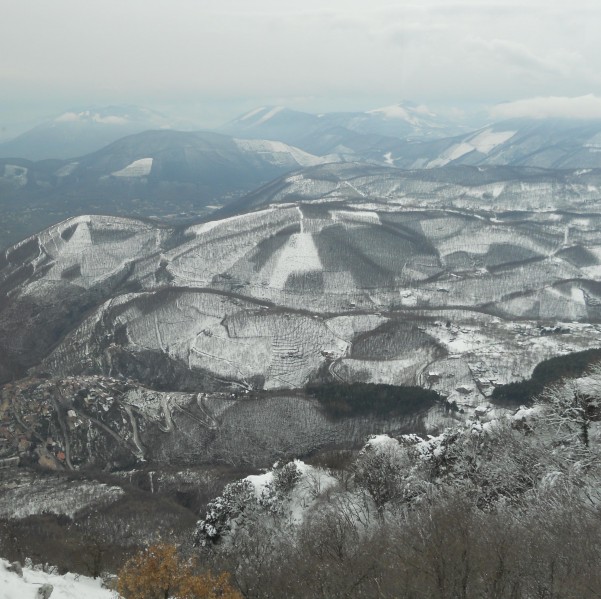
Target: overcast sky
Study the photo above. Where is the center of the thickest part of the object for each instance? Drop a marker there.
(211, 59)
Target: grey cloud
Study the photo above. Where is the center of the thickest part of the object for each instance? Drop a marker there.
(518, 55)
(583, 107)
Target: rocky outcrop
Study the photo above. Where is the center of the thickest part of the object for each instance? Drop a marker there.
(45, 591)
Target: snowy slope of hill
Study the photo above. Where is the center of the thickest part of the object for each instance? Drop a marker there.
(371, 276)
(444, 509)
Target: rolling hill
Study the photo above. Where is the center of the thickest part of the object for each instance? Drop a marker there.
(164, 173)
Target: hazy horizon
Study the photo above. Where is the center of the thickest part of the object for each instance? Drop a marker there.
(209, 63)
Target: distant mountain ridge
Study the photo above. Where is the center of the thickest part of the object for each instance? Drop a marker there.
(406, 135)
(347, 133)
(411, 137)
(77, 132)
(183, 176)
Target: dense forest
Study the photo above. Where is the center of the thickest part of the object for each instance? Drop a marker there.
(546, 373)
(343, 400)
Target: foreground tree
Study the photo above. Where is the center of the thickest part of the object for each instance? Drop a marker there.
(158, 572)
(571, 409)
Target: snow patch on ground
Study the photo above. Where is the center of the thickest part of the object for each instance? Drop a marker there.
(362, 216)
(348, 327)
(459, 342)
(594, 272)
(86, 115)
(523, 413)
(225, 223)
(311, 483)
(578, 296)
(381, 442)
(66, 170)
(68, 586)
(67, 117)
(498, 190)
(260, 482)
(452, 153)
(252, 113)
(205, 227)
(138, 168)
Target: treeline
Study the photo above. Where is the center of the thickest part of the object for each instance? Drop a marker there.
(548, 372)
(361, 399)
